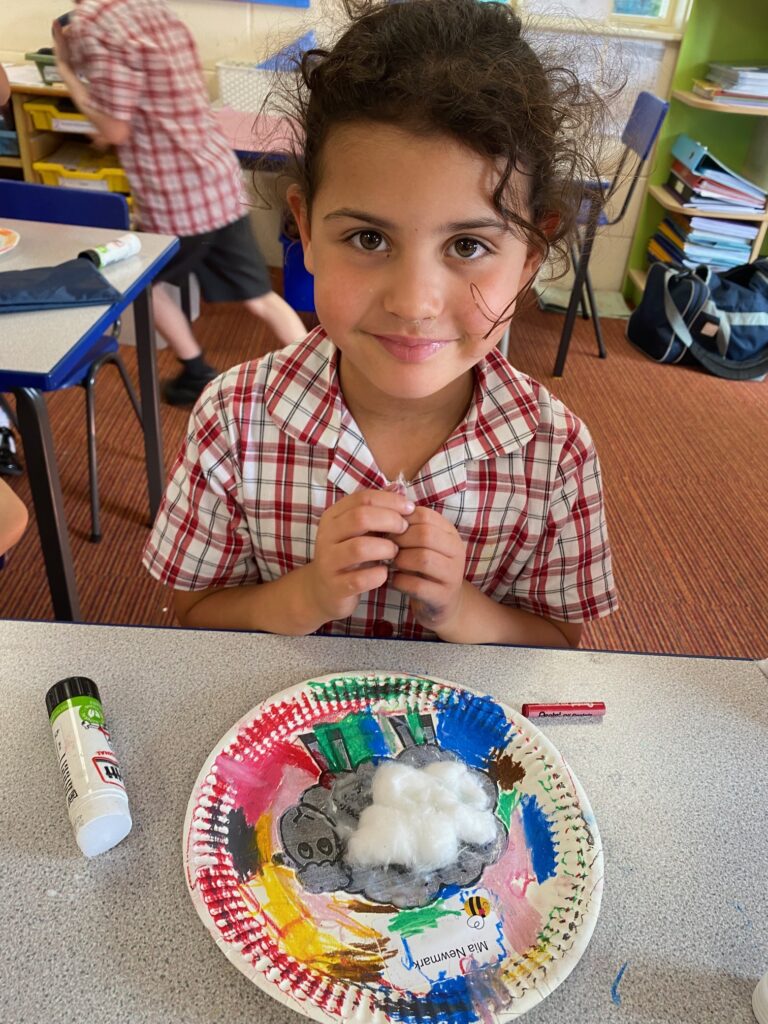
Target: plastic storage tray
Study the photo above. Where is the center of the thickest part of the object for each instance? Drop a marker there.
(46, 66)
(243, 85)
(9, 142)
(74, 165)
(48, 116)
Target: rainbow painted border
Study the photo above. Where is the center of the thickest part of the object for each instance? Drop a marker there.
(298, 947)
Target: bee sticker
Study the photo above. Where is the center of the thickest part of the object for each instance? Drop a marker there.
(477, 909)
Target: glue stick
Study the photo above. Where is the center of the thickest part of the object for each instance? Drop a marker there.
(119, 249)
(93, 783)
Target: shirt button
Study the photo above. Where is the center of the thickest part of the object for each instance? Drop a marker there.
(383, 629)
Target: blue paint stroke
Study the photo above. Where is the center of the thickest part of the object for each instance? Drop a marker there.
(472, 727)
(538, 839)
(615, 986)
(373, 734)
(449, 1001)
(737, 906)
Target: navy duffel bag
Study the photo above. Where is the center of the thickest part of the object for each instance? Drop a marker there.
(720, 320)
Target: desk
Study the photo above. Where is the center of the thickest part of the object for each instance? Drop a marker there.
(675, 774)
(39, 350)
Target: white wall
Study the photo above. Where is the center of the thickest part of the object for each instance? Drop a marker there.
(222, 28)
(246, 31)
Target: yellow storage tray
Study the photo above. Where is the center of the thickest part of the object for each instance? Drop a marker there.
(47, 117)
(74, 165)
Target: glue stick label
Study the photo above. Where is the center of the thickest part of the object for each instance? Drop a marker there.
(86, 759)
(118, 249)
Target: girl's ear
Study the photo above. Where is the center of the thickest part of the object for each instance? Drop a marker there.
(298, 207)
(548, 225)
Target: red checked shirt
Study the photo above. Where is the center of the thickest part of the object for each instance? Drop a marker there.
(141, 66)
(271, 446)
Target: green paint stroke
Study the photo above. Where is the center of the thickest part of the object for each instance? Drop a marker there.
(414, 922)
(386, 688)
(506, 804)
(414, 724)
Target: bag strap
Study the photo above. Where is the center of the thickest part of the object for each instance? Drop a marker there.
(731, 369)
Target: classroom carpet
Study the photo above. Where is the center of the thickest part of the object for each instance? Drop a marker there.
(684, 466)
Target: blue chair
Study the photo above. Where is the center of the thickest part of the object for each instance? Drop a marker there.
(24, 201)
(639, 135)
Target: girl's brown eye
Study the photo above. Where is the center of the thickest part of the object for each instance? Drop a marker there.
(467, 246)
(369, 240)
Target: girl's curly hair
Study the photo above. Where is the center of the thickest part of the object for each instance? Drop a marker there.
(459, 68)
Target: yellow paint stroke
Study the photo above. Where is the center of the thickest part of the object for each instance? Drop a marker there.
(299, 934)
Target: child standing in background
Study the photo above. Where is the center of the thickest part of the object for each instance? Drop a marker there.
(436, 168)
(145, 94)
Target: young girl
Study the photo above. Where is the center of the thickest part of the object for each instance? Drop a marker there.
(436, 171)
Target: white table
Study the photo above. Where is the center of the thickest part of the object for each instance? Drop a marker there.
(39, 350)
(675, 774)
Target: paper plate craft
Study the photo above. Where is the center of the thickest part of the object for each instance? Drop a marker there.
(382, 847)
(9, 239)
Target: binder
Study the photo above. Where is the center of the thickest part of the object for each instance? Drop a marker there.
(703, 200)
(707, 185)
(699, 160)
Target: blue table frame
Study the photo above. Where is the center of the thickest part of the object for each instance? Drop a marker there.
(35, 429)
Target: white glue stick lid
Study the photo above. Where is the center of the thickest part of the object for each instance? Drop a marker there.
(760, 1000)
(109, 822)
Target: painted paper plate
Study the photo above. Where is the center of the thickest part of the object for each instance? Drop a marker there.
(393, 848)
(9, 239)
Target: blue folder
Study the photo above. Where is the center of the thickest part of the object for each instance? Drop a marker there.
(74, 283)
(698, 159)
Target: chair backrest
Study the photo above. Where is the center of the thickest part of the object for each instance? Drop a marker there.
(56, 205)
(644, 123)
(639, 135)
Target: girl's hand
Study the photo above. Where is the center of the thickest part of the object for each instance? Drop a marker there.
(430, 569)
(356, 538)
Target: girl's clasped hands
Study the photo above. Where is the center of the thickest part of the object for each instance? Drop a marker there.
(370, 534)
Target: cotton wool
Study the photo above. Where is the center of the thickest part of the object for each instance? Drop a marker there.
(421, 817)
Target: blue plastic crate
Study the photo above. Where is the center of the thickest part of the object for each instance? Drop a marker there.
(9, 143)
(298, 283)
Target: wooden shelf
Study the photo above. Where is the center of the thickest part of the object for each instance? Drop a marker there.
(666, 199)
(692, 100)
(638, 278)
(10, 161)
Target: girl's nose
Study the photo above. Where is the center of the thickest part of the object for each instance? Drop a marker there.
(413, 293)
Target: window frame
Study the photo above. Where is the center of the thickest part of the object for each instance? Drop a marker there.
(669, 27)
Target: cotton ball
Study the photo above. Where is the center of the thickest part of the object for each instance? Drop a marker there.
(420, 817)
(457, 780)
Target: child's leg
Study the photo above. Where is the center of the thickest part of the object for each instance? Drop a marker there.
(279, 316)
(177, 331)
(9, 463)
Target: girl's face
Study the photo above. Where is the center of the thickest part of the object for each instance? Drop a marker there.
(412, 263)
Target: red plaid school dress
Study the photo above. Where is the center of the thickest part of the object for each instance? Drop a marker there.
(271, 445)
(142, 66)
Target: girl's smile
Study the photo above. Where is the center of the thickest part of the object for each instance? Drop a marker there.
(410, 349)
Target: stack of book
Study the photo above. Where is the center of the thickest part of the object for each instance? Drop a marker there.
(699, 180)
(691, 241)
(740, 84)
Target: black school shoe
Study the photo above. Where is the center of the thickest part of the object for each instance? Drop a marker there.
(9, 463)
(185, 390)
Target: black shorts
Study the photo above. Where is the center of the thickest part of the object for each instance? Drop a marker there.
(227, 262)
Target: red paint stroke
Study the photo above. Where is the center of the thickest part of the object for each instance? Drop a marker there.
(247, 774)
(255, 782)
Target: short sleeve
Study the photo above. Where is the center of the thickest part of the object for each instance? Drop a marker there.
(569, 575)
(200, 537)
(113, 69)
